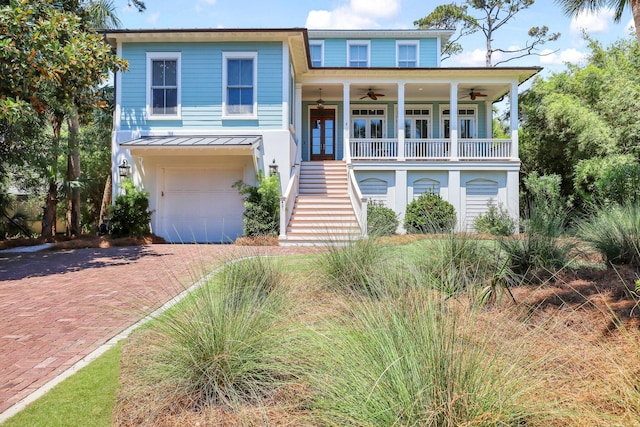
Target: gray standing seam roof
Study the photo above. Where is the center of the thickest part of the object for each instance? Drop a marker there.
(192, 141)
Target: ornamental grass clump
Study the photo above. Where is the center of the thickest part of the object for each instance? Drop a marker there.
(412, 359)
(225, 345)
(614, 231)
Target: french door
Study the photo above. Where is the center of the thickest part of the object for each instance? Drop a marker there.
(323, 134)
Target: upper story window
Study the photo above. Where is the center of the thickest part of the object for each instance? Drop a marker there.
(240, 82)
(407, 54)
(316, 50)
(358, 53)
(163, 85)
(467, 123)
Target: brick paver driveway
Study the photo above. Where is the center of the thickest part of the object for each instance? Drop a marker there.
(56, 307)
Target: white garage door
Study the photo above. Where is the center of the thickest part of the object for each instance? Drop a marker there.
(199, 205)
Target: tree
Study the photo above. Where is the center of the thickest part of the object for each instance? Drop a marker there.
(582, 123)
(51, 65)
(574, 7)
(493, 14)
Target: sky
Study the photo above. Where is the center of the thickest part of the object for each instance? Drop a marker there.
(385, 14)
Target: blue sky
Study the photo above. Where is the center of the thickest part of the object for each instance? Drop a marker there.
(388, 14)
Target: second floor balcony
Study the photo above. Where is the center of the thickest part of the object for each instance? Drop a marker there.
(379, 149)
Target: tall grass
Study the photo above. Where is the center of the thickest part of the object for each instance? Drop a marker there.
(413, 360)
(224, 345)
(614, 231)
(355, 267)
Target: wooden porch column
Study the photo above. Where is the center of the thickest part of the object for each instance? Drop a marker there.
(346, 113)
(453, 120)
(400, 134)
(513, 95)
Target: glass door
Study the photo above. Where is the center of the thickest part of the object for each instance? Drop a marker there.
(323, 141)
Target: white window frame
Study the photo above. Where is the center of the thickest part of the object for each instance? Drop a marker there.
(428, 107)
(321, 44)
(368, 119)
(167, 56)
(366, 43)
(474, 116)
(226, 56)
(415, 43)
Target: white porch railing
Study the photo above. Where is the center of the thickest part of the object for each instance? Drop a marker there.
(426, 148)
(375, 148)
(430, 149)
(358, 202)
(484, 148)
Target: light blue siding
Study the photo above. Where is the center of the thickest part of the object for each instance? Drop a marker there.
(382, 52)
(429, 52)
(201, 97)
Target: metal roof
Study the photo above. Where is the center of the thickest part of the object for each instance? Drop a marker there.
(194, 141)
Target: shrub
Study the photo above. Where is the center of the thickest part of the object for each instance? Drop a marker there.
(262, 206)
(620, 184)
(130, 214)
(496, 221)
(429, 214)
(381, 220)
(614, 231)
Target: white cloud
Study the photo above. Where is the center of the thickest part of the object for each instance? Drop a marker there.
(358, 14)
(631, 26)
(153, 18)
(475, 58)
(592, 21)
(376, 8)
(341, 18)
(559, 58)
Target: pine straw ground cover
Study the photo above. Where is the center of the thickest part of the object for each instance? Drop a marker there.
(566, 353)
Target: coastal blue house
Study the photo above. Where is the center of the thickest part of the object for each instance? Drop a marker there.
(348, 117)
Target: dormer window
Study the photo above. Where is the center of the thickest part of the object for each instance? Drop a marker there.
(358, 54)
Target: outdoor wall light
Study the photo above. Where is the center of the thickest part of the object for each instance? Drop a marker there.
(124, 169)
(273, 168)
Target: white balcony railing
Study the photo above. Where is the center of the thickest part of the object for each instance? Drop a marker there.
(430, 149)
(484, 148)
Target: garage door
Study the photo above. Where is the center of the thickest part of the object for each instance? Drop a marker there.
(199, 205)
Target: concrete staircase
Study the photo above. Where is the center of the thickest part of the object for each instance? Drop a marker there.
(322, 213)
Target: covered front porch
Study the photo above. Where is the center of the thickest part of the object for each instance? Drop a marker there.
(423, 115)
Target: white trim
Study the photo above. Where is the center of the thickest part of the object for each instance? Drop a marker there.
(117, 111)
(415, 43)
(226, 56)
(439, 51)
(335, 128)
(351, 43)
(170, 56)
(384, 117)
(443, 116)
(321, 44)
(418, 116)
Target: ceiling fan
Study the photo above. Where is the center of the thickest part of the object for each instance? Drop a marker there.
(372, 94)
(473, 95)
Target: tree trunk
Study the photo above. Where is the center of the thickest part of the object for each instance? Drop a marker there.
(106, 200)
(635, 11)
(73, 175)
(51, 200)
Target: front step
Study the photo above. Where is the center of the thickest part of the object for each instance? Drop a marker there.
(322, 213)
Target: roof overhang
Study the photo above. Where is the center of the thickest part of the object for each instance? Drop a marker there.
(445, 35)
(227, 144)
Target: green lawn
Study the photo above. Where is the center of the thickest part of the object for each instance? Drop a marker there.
(84, 399)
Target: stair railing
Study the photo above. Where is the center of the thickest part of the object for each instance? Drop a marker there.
(358, 202)
(288, 199)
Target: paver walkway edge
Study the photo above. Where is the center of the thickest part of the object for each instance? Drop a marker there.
(15, 409)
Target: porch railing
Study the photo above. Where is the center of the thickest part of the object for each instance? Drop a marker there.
(484, 148)
(358, 202)
(430, 149)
